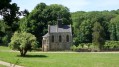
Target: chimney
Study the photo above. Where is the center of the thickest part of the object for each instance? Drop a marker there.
(59, 22)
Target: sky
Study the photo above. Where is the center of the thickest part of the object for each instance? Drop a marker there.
(73, 5)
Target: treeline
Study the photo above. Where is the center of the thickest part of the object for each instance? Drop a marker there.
(106, 22)
(83, 22)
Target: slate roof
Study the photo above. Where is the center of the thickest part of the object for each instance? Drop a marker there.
(56, 29)
(63, 28)
(46, 35)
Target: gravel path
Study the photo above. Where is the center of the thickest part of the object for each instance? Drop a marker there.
(9, 64)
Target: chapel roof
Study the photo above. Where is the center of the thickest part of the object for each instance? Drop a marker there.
(46, 35)
(63, 28)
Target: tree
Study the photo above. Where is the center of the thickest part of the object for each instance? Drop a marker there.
(3, 30)
(98, 36)
(85, 32)
(114, 28)
(23, 42)
(10, 16)
(9, 11)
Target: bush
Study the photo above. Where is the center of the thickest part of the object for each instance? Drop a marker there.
(83, 47)
(73, 48)
(23, 42)
(5, 40)
(111, 45)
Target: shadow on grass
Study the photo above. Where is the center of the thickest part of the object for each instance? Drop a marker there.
(33, 56)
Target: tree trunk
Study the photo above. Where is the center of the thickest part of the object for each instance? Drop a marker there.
(23, 52)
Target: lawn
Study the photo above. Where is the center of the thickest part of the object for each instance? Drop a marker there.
(61, 59)
(2, 65)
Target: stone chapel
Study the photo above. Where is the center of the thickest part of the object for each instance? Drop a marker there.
(59, 37)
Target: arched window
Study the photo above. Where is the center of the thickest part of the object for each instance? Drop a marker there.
(52, 38)
(60, 38)
(67, 38)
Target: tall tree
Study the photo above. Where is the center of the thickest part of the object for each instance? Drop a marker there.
(98, 36)
(114, 28)
(9, 11)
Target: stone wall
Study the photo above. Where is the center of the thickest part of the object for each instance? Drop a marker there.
(63, 45)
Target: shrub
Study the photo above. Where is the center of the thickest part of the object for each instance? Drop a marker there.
(111, 45)
(23, 42)
(5, 40)
(73, 48)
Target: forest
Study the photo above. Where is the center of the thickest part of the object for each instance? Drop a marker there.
(97, 28)
(99, 25)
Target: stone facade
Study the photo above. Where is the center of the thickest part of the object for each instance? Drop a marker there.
(59, 37)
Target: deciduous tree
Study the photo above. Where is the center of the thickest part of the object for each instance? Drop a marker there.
(23, 42)
(98, 36)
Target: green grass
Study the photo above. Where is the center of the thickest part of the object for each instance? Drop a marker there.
(62, 59)
(2, 66)
(4, 48)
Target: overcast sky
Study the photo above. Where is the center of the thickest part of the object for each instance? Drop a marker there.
(73, 5)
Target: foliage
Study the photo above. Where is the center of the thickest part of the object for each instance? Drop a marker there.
(9, 11)
(3, 31)
(73, 48)
(9, 22)
(114, 28)
(83, 46)
(111, 45)
(5, 40)
(98, 36)
(83, 23)
(23, 42)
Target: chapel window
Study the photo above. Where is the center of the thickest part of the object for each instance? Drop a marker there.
(67, 38)
(60, 38)
(52, 38)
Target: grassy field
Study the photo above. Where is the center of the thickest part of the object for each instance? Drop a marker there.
(2, 66)
(61, 59)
